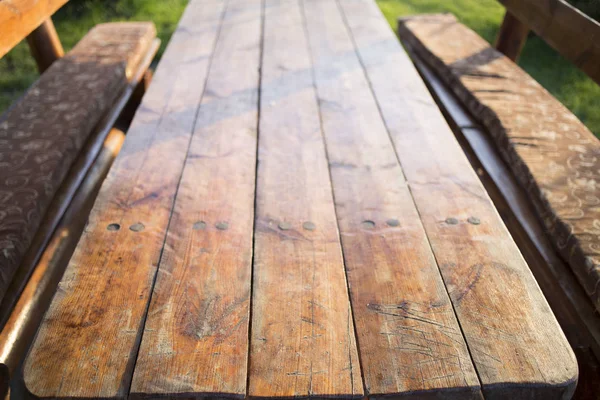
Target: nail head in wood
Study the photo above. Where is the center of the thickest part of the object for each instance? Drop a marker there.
(113, 227)
(393, 222)
(222, 226)
(199, 225)
(309, 226)
(474, 221)
(368, 224)
(138, 227)
(285, 226)
(451, 221)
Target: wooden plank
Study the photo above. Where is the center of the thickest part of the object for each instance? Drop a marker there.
(409, 340)
(515, 342)
(572, 33)
(87, 344)
(512, 36)
(543, 143)
(195, 340)
(21, 326)
(33, 286)
(303, 341)
(573, 309)
(18, 18)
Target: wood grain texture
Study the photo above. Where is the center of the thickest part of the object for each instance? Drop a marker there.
(195, 341)
(515, 342)
(553, 155)
(302, 340)
(21, 326)
(512, 36)
(410, 343)
(571, 306)
(571, 33)
(87, 344)
(18, 18)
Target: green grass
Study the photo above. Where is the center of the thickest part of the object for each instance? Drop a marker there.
(567, 83)
(572, 87)
(73, 21)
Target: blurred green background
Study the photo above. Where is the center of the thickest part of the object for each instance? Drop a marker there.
(572, 87)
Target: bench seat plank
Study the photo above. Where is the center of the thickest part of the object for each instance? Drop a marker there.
(195, 339)
(554, 157)
(88, 341)
(515, 342)
(43, 133)
(303, 342)
(404, 320)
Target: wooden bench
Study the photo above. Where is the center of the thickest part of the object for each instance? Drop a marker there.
(56, 145)
(541, 162)
(291, 217)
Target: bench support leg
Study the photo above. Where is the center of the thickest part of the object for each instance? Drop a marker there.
(512, 36)
(45, 45)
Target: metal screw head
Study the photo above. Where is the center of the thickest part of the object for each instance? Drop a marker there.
(222, 226)
(113, 227)
(451, 221)
(368, 224)
(137, 227)
(199, 225)
(392, 222)
(309, 226)
(474, 220)
(285, 226)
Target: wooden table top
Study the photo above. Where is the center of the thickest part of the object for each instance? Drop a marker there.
(359, 256)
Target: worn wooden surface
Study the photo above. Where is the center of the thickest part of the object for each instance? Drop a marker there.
(553, 155)
(403, 300)
(511, 36)
(302, 341)
(88, 342)
(514, 340)
(573, 309)
(18, 18)
(196, 335)
(29, 294)
(572, 33)
(20, 328)
(404, 319)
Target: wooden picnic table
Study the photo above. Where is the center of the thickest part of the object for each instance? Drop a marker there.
(291, 216)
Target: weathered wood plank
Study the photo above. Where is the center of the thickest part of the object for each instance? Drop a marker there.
(409, 340)
(18, 18)
(302, 341)
(571, 33)
(515, 342)
(571, 306)
(21, 326)
(88, 342)
(553, 155)
(195, 340)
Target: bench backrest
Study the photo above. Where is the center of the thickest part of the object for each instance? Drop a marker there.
(573, 34)
(18, 18)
